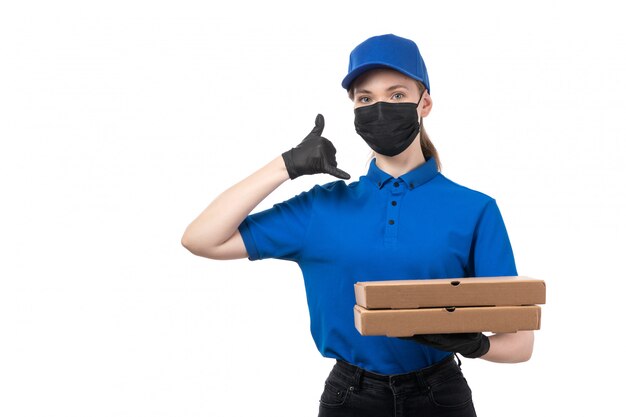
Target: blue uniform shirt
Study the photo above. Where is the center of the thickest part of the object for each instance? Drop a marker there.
(418, 226)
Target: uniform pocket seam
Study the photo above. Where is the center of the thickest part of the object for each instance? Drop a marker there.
(431, 393)
(332, 388)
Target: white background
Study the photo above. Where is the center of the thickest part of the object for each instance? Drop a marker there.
(121, 120)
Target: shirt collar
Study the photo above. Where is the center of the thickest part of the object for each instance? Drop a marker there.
(413, 179)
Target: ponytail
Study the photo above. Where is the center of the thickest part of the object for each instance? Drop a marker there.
(428, 149)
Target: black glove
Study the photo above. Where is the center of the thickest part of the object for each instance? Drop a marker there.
(314, 155)
(470, 345)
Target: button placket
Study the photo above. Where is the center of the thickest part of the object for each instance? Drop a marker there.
(397, 190)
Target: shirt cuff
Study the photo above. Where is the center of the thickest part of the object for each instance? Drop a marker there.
(248, 241)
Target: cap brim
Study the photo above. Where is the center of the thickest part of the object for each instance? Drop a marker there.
(358, 71)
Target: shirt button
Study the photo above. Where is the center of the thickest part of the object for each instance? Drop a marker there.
(394, 203)
(411, 186)
(396, 184)
(391, 222)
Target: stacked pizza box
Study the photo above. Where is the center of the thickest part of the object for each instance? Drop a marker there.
(448, 305)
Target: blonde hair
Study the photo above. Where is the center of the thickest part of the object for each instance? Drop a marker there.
(428, 149)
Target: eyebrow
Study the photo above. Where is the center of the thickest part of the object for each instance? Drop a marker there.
(393, 87)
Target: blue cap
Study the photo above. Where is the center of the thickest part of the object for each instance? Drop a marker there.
(387, 51)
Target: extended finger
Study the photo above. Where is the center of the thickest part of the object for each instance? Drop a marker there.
(337, 172)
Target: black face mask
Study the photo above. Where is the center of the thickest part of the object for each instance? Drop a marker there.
(388, 128)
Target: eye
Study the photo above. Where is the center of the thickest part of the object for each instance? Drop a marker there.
(397, 96)
(364, 99)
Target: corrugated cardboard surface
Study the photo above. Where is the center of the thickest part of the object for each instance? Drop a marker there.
(457, 292)
(407, 322)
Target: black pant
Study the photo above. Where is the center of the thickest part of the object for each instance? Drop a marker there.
(439, 390)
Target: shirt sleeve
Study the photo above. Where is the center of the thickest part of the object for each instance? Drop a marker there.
(278, 232)
(492, 254)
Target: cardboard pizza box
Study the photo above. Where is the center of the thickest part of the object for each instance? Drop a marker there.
(407, 322)
(450, 292)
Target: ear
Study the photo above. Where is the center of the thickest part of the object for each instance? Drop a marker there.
(426, 105)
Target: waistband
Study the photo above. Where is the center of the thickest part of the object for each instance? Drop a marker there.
(423, 373)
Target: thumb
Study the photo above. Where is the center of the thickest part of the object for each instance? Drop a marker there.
(319, 125)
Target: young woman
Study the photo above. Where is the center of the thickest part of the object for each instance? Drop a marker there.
(402, 220)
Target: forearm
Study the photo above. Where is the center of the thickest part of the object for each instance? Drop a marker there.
(510, 347)
(221, 219)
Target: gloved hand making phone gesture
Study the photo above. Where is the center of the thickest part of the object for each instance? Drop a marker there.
(314, 155)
